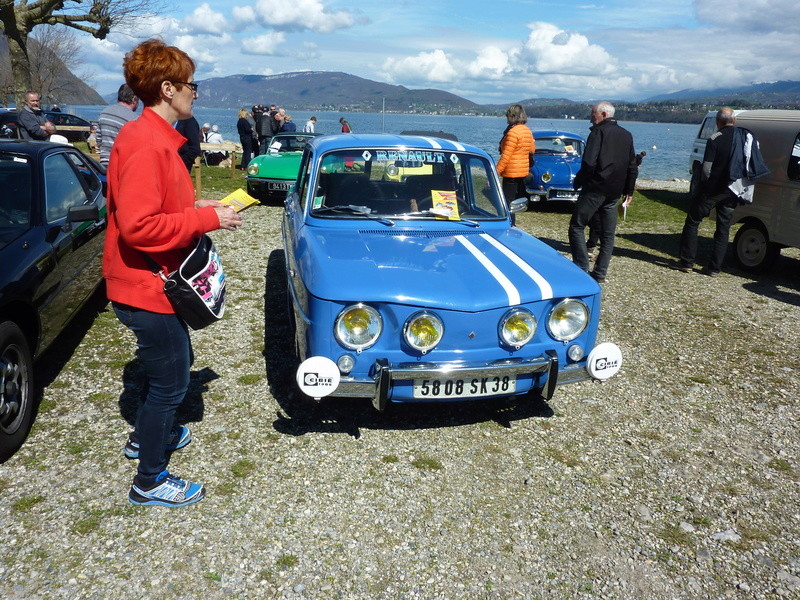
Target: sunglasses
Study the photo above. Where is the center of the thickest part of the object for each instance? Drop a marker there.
(191, 84)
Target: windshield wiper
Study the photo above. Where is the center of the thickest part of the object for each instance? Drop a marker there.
(434, 213)
(352, 209)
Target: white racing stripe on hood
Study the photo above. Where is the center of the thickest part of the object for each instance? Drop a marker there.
(544, 286)
(511, 291)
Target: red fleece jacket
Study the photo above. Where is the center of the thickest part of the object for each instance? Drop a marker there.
(150, 209)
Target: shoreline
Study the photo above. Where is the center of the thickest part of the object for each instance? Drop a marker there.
(672, 185)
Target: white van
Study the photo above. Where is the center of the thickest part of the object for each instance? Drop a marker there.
(772, 221)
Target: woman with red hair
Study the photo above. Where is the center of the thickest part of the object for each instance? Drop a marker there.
(152, 212)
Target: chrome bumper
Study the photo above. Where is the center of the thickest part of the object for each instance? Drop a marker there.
(382, 375)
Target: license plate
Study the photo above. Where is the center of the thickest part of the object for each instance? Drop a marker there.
(475, 387)
(280, 186)
(564, 195)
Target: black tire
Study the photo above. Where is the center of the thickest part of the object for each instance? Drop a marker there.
(16, 389)
(752, 249)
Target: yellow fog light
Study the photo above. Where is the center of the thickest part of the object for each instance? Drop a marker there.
(517, 327)
(547, 176)
(358, 327)
(423, 330)
(252, 169)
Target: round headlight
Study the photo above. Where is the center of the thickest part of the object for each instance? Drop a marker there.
(392, 170)
(423, 331)
(568, 319)
(517, 327)
(547, 176)
(358, 327)
(252, 169)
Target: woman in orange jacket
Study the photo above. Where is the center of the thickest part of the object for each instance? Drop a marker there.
(516, 148)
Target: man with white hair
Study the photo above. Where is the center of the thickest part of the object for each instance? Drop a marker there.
(608, 171)
(214, 137)
(204, 130)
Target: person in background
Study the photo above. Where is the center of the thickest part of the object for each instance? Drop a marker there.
(714, 193)
(204, 130)
(112, 118)
(190, 129)
(516, 148)
(245, 129)
(33, 124)
(152, 212)
(265, 129)
(608, 171)
(345, 125)
(254, 117)
(310, 125)
(215, 158)
(288, 124)
(55, 108)
(91, 141)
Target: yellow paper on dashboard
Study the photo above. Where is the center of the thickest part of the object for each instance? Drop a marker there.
(239, 200)
(445, 204)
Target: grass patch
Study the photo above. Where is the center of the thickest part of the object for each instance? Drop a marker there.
(559, 455)
(26, 503)
(675, 536)
(250, 378)
(87, 525)
(212, 576)
(425, 463)
(243, 468)
(390, 458)
(285, 561)
(780, 464)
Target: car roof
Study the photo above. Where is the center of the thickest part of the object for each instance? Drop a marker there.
(29, 147)
(556, 133)
(386, 140)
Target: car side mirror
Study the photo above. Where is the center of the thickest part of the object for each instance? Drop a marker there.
(519, 205)
(83, 212)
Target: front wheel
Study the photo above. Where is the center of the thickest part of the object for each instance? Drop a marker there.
(16, 389)
(752, 249)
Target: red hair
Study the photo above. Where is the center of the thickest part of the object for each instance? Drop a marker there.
(151, 63)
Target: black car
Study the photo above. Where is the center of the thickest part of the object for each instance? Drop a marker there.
(52, 230)
(71, 127)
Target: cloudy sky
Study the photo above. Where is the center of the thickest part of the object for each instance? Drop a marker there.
(496, 51)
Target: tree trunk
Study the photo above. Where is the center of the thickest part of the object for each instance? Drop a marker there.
(20, 66)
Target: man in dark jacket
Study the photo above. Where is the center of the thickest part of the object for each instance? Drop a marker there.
(714, 193)
(190, 129)
(608, 171)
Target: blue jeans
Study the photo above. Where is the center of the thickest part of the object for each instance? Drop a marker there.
(165, 352)
(588, 205)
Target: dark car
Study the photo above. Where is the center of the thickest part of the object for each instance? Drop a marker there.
(71, 127)
(52, 228)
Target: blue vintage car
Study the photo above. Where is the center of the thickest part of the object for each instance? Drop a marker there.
(557, 160)
(420, 289)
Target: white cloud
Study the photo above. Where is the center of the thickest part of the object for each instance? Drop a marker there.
(491, 63)
(205, 20)
(424, 67)
(266, 44)
(750, 15)
(550, 49)
(296, 15)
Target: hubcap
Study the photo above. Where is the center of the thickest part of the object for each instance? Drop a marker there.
(13, 389)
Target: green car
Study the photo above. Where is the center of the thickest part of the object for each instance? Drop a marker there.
(270, 175)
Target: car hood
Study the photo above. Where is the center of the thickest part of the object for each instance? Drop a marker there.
(453, 269)
(559, 166)
(281, 165)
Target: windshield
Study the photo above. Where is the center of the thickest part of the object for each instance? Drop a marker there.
(405, 184)
(559, 145)
(15, 181)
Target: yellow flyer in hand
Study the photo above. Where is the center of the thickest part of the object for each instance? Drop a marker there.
(445, 204)
(239, 200)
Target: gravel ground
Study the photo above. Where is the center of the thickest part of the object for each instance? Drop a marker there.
(678, 479)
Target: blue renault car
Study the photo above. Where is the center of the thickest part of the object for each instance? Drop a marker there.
(420, 289)
(556, 161)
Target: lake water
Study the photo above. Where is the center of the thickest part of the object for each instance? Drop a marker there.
(667, 144)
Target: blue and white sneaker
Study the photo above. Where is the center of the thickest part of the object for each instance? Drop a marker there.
(181, 436)
(169, 491)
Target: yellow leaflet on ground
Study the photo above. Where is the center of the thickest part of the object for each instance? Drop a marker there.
(445, 204)
(239, 200)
